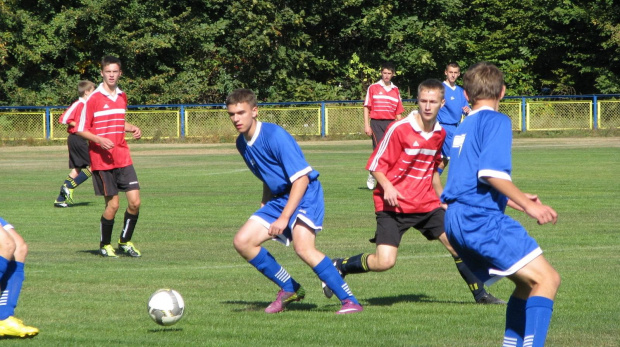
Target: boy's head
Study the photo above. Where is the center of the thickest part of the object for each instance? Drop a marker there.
(242, 109)
(483, 81)
(85, 88)
(387, 72)
(242, 95)
(430, 99)
(453, 71)
(111, 72)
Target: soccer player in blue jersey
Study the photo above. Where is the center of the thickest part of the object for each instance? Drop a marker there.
(452, 112)
(13, 251)
(292, 205)
(478, 189)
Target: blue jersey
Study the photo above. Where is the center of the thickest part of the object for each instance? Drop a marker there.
(275, 158)
(4, 223)
(481, 148)
(452, 110)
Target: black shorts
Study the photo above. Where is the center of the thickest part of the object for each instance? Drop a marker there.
(391, 226)
(110, 182)
(78, 152)
(378, 127)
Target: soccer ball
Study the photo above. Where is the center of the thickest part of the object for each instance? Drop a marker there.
(166, 306)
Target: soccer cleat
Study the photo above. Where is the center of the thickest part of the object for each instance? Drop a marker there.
(107, 251)
(129, 249)
(371, 182)
(60, 204)
(349, 306)
(285, 298)
(68, 193)
(488, 299)
(326, 291)
(14, 327)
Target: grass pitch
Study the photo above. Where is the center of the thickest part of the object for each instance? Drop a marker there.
(195, 197)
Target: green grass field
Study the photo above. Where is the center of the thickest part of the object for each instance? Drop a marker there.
(195, 197)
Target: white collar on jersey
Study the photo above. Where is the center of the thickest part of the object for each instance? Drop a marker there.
(483, 108)
(387, 88)
(416, 127)
(449, 86)
(256, 132)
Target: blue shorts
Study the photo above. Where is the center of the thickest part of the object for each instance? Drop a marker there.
(6, 224)
(447, 143)
(310, 211)
(492, 244)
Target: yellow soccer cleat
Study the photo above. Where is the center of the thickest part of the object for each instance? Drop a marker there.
(14, 327)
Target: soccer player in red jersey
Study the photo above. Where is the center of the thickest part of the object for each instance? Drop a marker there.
(407, 196)
(102, 122)
(382, 106)
(79, 159)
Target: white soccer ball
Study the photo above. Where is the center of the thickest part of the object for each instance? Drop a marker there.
(166, 306)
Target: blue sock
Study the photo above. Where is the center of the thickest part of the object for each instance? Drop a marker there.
(515, 322)
(12, 286)
(328, 274)
(81, 177)
(4, 269)
(268, 266)
(538, 312)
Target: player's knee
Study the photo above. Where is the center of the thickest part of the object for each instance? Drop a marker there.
(384, 264)
(21, 251)
(7, 246)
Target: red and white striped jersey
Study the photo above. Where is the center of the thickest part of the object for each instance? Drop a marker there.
(408, 157)
(71, 114)
(383, 101)
(104, 115)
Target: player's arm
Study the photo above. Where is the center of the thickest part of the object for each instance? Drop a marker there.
(367, 128)
(390, 194)
(436, 182)
(130, 128)
(532, 207)
(298, 189)
(105, 143)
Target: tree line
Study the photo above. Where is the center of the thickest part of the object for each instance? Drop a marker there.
(196, 51)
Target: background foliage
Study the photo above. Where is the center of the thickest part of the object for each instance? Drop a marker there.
(196, 51)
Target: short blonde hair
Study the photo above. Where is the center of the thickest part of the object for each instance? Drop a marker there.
(84, 86)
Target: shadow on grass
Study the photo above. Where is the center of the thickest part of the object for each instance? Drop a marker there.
(391, 300)
(251, 306)
(164, 330)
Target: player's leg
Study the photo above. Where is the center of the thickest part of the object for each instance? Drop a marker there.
(12, 277)
(475, 285)
(130, 219)
(304, 243)
(247, 243)
(531, 305)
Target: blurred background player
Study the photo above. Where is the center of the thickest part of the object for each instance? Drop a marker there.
(13, 251)
(452, 112)
(407, 195)
(478, 189)
(382, 106)
(292, 206)
(79, 160)
(113, 170)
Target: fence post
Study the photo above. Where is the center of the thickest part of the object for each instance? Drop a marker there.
(323, 119)
(595, 112)
(523, 115)
(182, 120)
(48, 123)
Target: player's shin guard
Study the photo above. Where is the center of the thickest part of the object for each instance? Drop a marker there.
(328, 274)
(129, 224)
(475, 285)
(538, 312)
(515, 322)
(355, 264)
(106, 227)
(268, 266)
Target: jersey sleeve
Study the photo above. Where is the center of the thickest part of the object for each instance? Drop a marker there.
(83, 120)
(495, 155)
(399, 107)
(291, 157)
(368, 100)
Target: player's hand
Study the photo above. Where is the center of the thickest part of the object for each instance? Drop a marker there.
(106, 143)
(137, 133)
(276, 228)
(443, 205)
(542, 213)
(391, 196)
(368, 130)
(466, 109)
